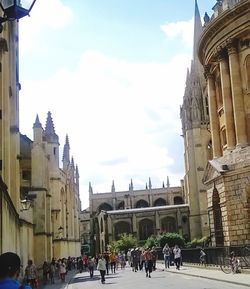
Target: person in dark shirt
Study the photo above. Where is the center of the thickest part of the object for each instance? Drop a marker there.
(10, 264)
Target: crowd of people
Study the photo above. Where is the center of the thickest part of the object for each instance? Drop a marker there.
(139, 259)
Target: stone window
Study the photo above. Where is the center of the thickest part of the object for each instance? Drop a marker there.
(218, 228)
(142, 204)
(121, 206)
(146, 229)
(168, 224)
(122, 227)
(105, 207)
(178, 200)
(160, 202)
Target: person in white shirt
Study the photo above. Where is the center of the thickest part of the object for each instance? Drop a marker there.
(177, 256)
(101, 266)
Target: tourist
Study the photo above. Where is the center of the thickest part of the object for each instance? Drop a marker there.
(31, 274)
(10, 264)
(166, 253)
(101, 266)
(177, 256)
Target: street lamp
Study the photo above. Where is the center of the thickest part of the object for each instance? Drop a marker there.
(15, 9)
(25, 204)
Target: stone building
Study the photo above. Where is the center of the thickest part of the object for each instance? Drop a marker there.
(140, 212)
(224, 52)
(197, 139)
(56, 204)
(12, 227)
(29, 171)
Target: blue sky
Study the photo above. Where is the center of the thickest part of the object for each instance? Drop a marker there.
(112, 73)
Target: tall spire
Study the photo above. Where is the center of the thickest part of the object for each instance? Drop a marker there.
(90, 189)
(50, 133)
(65, 158)
(149, 183)
(197, 29)
(168, 184)
(131, 185)
(113, 187)
(37, 123)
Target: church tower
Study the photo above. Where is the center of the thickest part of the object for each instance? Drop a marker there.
(195, 127)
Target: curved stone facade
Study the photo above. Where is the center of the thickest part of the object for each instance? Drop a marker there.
(224, 51)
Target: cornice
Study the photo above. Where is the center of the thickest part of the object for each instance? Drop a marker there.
(210, 41)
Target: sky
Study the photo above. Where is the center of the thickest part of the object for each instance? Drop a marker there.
(112, 74)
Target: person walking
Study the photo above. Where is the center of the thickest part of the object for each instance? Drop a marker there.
(31, 274)
(91, 266)
(166, 253)
(52, 271)
(101, 266)
(45, 272)
(113, 262)
(10, 265)
(177, 256)
(62, 269)
(148, 262)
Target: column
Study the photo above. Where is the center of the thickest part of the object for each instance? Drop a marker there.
(227, 100)
(238, 102)
(214, 122)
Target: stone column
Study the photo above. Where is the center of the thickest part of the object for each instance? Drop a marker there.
(238, 102)
(214, 121)
(227, 100)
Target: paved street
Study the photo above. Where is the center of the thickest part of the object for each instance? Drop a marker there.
(161, 279)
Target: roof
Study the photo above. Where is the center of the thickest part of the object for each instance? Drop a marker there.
(138, 210)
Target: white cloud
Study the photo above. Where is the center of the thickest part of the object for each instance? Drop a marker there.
(182, 29)
(118, 114)
(45, 15)
(110, 109)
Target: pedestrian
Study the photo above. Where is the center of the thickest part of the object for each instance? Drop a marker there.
(113, 262)
(101, 266)
(202, 257)
(45, 272)
(91, 266)
(107, 259)
(10, 265)
(31, 274)
(62, 269)
(148, 262)
(177, 256)
(52, 271)
(166, 253)
(80, 264)
(154, 257)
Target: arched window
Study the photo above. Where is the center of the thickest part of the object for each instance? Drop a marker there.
(142, 204)
(178, 200)
(121, 206)
(122, 227)
(168, 224)
(105, 207)
(146, 229)
(160, 202)
(218, 229)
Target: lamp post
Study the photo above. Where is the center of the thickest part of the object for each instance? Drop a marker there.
(14, 10)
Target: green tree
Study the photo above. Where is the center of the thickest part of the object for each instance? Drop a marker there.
(152, 241)
(172, 239)
(125, 242)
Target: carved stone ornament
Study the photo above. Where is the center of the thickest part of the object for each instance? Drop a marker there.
(3, 45)
(231, 45)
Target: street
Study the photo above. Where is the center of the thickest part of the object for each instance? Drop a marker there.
(126, 279)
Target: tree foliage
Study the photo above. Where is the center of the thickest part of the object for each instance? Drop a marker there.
(125, 242)
(172, 239)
